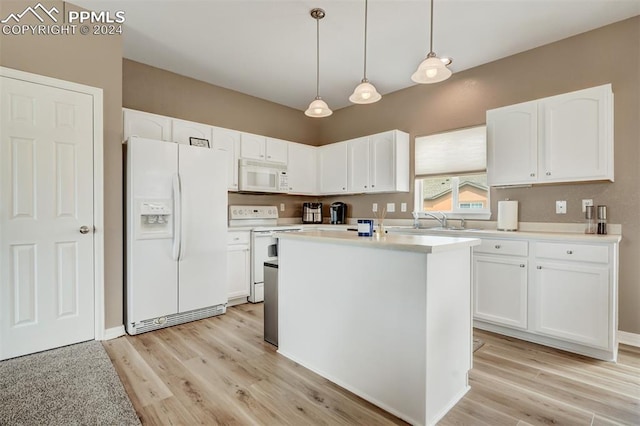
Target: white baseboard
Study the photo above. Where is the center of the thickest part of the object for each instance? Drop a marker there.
(630, 339)
(112, 333)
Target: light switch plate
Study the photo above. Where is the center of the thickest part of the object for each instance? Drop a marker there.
(391, 207)
(403, 207)
(561, 207)
(375, 207)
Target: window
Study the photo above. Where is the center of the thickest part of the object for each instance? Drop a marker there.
(451, 174)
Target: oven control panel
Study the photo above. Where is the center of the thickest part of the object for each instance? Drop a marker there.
(253, 212)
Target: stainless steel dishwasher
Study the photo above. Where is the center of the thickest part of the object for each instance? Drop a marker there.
(271, 301)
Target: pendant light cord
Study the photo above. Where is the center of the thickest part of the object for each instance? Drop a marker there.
(365, 38)
(431, 30)
(317, 57)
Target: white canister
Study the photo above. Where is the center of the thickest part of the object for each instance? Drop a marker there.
(507, 215)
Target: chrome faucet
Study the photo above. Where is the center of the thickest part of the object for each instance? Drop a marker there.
(441, 220)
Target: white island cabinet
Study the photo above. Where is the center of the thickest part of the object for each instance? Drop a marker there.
(386, 318)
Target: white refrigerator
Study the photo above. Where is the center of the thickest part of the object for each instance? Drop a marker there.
(176, 254)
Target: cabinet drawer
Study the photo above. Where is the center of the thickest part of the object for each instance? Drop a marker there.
(578, 252)
(238, 237)
(508, 247)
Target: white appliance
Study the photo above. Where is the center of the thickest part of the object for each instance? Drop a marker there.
(176, 234)
(264, 240)
(262, 176)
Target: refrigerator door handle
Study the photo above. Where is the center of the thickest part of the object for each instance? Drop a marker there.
(177, 217)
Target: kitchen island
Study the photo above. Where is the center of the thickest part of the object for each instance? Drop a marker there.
(388, 318)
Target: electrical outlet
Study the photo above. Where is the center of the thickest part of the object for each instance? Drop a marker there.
(561, 207)
(586, 203)
(375, 207)
(281, 207)
(403, 207)
(391, 207)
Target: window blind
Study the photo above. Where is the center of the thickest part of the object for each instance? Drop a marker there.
(452, 153)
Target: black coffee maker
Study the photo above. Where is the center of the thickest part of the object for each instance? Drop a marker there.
(312, 213)
(338, 213)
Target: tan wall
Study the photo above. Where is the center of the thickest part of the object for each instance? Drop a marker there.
(607, 55)
(189, 99)
(94, 61)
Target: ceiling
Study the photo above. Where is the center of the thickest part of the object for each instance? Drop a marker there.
(267, 48)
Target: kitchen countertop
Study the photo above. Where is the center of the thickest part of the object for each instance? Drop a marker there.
(416, 243)
(492, 233)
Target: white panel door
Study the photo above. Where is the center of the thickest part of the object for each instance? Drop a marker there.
(332, 168)
(202, 268)
(383, 162)
(512, 144)
(358, 165)
(252, 146)
(182, 131)
(277, 150)
(577, 135)
(500, 290)
(46, 194)
(228, 141)
(572, 302)
(302, 169)
(146, 125)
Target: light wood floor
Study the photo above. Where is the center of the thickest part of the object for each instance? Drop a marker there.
(220, 371)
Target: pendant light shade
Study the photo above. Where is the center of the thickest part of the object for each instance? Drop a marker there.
(432, 69)
(318, 108)
(365, 92)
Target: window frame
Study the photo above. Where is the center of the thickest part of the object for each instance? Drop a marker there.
(456, 212)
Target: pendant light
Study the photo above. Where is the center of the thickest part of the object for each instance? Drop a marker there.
(365, 92)
(432, 69)
(318, 108)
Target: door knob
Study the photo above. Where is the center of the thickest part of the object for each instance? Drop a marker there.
(84, 229)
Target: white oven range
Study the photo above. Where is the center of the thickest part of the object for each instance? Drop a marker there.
(263, 222)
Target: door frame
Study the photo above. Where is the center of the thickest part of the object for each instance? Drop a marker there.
(98, 182)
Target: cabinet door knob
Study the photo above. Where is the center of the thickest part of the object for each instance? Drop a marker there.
(538, 267)
(532, 175)
(497, 246)
(522, 265)
(569, 251)
(343, 188)
(548, 173)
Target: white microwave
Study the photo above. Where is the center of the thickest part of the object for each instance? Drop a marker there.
(262, 176)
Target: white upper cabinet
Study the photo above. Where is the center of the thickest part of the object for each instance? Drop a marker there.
(252, 146)
(577, 130)
(512, 144)
(146, 125)
(183, 130)
(302, 169)
(359, 164)
(228, 141)
(389, 161)
(564, 138)
(378, 163)
(277, 150)
(263, 148)
(332, 168)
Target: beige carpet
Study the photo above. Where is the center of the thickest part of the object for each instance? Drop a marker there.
(73, 385)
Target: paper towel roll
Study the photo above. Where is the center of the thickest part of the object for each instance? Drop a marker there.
(507, 215)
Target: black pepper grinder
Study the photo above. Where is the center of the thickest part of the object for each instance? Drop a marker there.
(602, 220)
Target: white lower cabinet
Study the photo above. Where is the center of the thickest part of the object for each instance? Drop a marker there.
(238, 266)
(558, 293)
(574, 295)
(500, 289)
